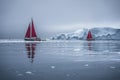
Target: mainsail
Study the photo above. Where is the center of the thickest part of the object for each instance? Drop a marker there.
(31, 34)
(28, 32)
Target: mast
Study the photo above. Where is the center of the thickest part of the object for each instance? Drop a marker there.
(33, 29)
(30, 30)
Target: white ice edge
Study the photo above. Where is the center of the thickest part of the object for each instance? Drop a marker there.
(118, 60)
(23, 41)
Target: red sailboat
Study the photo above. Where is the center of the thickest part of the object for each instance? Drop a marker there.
(89, 36)
(31, 34)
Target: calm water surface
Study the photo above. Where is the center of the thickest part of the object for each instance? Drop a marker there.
(60, 60)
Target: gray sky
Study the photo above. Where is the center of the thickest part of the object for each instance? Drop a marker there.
(55, 16)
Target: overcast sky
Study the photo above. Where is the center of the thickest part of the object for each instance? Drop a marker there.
(55, 16)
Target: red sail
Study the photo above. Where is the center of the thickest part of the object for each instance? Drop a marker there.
(33, 30)
(28, 32)
(89, 36)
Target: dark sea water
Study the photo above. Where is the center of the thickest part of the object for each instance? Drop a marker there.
(60, 60)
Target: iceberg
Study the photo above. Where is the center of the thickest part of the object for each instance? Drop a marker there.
(98, 34)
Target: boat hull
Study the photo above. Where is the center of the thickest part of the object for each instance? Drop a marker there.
(90, 39)
(32, 39)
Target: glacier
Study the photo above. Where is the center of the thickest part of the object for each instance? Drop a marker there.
(105, 33)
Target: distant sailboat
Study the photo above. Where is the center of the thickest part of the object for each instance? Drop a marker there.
(31, 34)
(89, 36)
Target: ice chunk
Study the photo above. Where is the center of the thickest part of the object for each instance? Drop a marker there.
(112, 67)
(28, 72)
(52, 67)
(118, 52)
(106, 51)
(16, 71)
(86, 65)
(76, 50)
(67, 75)
(20, 74)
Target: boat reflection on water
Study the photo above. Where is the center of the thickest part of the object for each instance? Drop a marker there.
(89, 46)
(30, 48)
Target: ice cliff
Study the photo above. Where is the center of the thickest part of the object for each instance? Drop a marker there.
(98, 34)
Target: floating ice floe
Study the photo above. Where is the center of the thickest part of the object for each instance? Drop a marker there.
(86, 65)
(20, 74)
(115, 59)
(16, 71)
(67, 75)
(118, 52)
(52, 67)
(28, 72)
(76, 50)
(112, 67)
(106, 51)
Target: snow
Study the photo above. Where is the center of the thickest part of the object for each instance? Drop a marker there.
(79, 33)
(103, 31)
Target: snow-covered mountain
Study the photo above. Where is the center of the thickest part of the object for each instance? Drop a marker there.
(98, 34)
